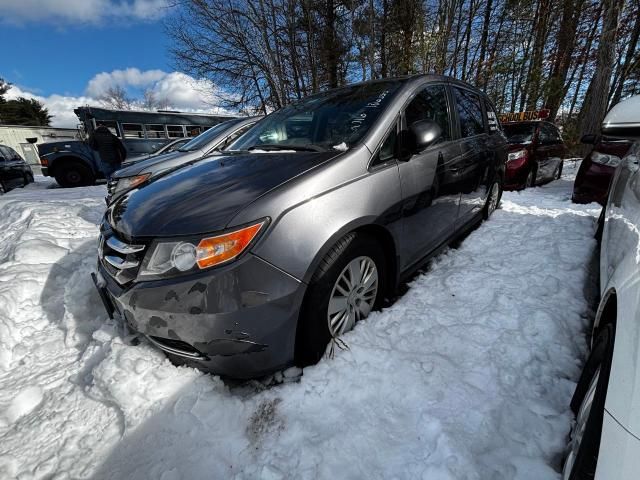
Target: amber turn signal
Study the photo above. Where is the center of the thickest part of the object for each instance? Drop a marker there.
(216, 250)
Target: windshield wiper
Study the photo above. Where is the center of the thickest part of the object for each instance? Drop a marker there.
(308, 147)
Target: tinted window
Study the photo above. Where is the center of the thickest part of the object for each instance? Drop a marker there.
(337, 118)
(519, 132)
(236, 134)
(430, 104)
(549, 134)
(469, 112)
(492, 118)
(11, 154)
(3, 154)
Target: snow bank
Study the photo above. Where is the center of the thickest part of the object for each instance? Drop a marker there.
(467, 376)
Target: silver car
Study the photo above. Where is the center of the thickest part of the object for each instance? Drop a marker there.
(140, 172)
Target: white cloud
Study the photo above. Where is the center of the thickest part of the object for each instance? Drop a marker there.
(178, 90)
(131, 77)
(84, 11)
(59, 106)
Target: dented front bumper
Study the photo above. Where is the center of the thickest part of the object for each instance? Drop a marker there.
(238, 320)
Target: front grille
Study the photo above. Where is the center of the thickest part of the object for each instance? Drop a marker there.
(111, 187)
(120, 259)
(111, 190)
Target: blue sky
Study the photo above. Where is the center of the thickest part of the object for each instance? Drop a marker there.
(49, 60)
(67, 53)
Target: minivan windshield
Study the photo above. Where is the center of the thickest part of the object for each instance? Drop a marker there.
(202, 140)
(334, 119)
(519, 133)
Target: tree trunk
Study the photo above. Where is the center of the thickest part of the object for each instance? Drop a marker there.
(481, 80)
(594, 106)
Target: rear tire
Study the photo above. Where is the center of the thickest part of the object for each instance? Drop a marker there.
(314, 333)
(588, 404)
(493, 199)
(75, 174)
(531, 179)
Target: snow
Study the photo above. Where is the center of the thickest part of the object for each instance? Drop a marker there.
(467, 376)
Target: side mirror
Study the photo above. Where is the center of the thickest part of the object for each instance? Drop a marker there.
(589, 139)
(424, 133)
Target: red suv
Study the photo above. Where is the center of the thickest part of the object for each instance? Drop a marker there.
(597, 168)
(536, 153)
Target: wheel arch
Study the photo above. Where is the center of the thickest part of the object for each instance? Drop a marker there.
(607, 313)
(60, 162)
(374, 230)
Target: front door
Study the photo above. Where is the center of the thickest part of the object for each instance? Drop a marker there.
(429, 179)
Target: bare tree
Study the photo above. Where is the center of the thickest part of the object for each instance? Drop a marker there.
(116, 97)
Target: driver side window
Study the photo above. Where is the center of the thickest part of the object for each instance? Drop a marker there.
(430, 104)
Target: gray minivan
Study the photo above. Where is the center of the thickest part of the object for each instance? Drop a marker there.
(253, 260)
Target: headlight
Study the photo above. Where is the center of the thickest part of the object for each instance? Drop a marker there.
(605, 159)
(173, 257)
(517, 155)
(127, 183)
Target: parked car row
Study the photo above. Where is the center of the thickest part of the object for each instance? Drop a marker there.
(135, 173)
(14, 171)
(253, 258)
(605, 441)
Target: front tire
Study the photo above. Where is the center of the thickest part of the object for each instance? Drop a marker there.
(71, 175)
(588, 405)
(531, 179)
(349, 283)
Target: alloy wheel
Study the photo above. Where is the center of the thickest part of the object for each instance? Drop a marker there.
(581, 425)
(353, 295)
(494, 196)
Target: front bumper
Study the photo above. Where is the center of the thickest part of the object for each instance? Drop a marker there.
(238, 320)
(516, 178)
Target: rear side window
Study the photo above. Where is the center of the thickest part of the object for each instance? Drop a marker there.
(492, 118)
(469, 112)
(430, 104)
(549, 134)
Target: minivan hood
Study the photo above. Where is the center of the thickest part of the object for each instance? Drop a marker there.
(156, 164)
(204, 196)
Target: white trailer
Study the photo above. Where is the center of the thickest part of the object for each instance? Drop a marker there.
(20, 138)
